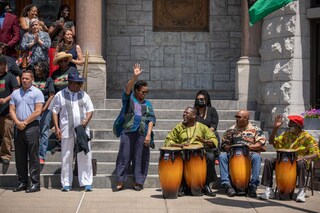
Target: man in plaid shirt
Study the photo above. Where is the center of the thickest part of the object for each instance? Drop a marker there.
(294, 138)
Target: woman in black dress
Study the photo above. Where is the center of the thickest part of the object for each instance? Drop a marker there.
(207, 115)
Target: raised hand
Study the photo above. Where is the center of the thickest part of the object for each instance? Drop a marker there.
(278, 121)
(137, 70)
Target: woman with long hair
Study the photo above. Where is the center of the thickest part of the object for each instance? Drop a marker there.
(68, 45)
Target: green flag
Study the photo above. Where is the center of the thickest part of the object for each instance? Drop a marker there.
(262, 8)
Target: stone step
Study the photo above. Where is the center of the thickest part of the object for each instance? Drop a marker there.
(114, 145)
(166, 113)
(107, 134)
(162, 124)
(110, 157)
(102, 168)
(99, 181)
(176, 104)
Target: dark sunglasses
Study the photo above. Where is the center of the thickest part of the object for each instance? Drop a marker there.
(143, 92)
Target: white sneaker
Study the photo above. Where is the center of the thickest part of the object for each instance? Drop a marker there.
(301, 195)
(268, 194)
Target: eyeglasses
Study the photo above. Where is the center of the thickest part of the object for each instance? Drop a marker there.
(64, 60)
(201, 99)
(237, 116)
(143, 92)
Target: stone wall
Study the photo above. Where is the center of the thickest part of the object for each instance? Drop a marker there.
(285, 62)
(176, 64)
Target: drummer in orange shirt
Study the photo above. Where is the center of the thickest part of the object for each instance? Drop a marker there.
(294, 138)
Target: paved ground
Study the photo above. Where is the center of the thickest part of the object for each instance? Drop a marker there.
(148, 200)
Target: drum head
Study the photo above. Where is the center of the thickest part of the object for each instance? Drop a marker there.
(239, 145)
(192, 147)
(170, 148)
(286, 150)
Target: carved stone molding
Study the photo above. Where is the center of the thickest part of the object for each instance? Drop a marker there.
(181, 15)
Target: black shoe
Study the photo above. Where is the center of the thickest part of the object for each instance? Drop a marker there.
(230, 191)
(20, 188)
(207, 191)
(137, 187)
(33, 188)
(252, 191)
(181, 192)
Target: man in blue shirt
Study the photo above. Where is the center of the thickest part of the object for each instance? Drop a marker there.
(25, 109)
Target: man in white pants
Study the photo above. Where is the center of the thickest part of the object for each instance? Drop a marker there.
(71, 108)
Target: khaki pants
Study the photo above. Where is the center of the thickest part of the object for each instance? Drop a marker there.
(6, 135)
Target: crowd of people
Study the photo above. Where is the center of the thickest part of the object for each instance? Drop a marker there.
(41, 84)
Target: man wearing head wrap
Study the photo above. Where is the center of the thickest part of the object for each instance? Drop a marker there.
(294, 138)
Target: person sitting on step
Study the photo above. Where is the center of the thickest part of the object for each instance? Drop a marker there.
(294, 138)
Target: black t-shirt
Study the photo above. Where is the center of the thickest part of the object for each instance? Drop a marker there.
(8, 83)
(12, 66)
(45, 85)
(211, 119)
(60, 78)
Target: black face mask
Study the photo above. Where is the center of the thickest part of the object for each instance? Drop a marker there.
(200, 103)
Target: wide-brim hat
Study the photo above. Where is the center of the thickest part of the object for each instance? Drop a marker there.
(296, 119)
(61, 55)
(75, 77)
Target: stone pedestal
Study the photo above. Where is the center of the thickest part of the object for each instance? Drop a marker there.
(247, 81)
(89, 37)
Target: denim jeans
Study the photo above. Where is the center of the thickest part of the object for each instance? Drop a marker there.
(224, 168)
(44, 133)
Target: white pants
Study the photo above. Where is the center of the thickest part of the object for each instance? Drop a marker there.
(85, 175)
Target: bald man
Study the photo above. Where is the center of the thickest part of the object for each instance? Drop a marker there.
(247, 133)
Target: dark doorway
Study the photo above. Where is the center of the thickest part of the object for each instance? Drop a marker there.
(315, 63)
(48, 8)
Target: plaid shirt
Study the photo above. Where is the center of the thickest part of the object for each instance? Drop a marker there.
(304, 143)
(252, 134)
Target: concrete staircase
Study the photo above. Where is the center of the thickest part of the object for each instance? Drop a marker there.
(105, 145)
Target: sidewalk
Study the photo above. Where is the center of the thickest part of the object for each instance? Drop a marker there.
(148, 200)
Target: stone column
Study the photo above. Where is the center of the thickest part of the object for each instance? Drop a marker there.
(247, 75)
(89, 37)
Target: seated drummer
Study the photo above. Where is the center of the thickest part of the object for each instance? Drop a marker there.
(243, 132)
(189, 131)
(294, 138)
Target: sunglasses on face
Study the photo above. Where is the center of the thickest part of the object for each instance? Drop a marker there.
(201, 99)
(64, 60)
(143, 92)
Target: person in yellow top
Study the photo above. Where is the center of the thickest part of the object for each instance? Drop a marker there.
(190, 132)
(294, 138)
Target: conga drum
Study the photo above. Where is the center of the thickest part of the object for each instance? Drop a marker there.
(195, 168)
(170, 171)
(240, 168)
(286, 172)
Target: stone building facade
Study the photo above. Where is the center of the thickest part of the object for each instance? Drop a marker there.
(176, 64)
(267, 67)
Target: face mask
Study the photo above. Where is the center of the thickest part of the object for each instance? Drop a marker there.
(200, 102)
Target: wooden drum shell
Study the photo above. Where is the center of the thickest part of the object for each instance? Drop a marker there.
(195, 168)
(286, 172)
(170, 171)
(240, 167)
